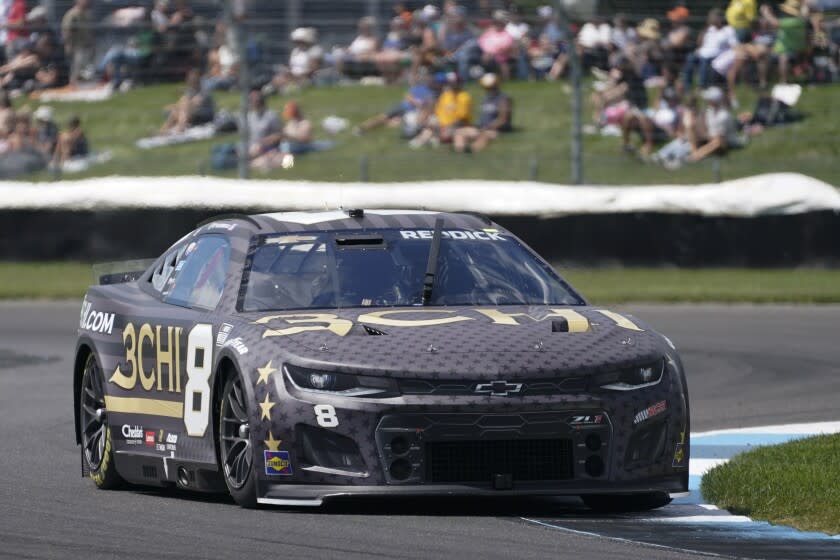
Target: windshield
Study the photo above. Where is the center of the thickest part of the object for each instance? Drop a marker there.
(385, 268)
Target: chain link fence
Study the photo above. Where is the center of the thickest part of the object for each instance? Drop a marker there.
(120, 69)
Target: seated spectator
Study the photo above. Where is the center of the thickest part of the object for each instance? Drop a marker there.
(716, 39)
(179, 37)
(297, 130)
(21, 69)
(136, 53)
(77, 30)
(495, 117)
(394, 56)
(646, 52)
(458, 45)
(13, 27)
(498, 47)
(720, 127)
(424, 37)
(53, 71)
(297, 140)
(222, 63)
(593, 42)
(265, 131)
(678, 40)
(37, 24)
(635, 118)
(7, 115)
(72, 143)
(517, 28)
(740, 15)
(791, 36)
(758, 51)
(358, 57)
(419, 98)
(548, 52)
(195, 107)
(452, 111)
(19, 152)
(304, 60)
(46, 132)
(21, 139)
(667, 104)
(691, 128)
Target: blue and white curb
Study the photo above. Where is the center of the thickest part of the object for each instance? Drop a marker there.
(688, 524)
(710, 449)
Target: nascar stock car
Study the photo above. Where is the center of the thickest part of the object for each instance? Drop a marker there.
(292, 357)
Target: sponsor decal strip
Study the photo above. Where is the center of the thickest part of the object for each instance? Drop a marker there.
(152, 407)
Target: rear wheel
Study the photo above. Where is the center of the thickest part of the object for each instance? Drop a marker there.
(626, 503)
(97, 448)
(235, 450)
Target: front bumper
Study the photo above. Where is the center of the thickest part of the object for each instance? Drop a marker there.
(315, 495)
(340, 446)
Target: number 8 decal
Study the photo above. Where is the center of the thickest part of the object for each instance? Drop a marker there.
(197, 391)
(325, 414)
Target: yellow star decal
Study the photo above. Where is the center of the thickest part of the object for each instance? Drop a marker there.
(265, 406)
(264, 372)
(271, 443)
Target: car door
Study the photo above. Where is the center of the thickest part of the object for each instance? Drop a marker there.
(163, 380)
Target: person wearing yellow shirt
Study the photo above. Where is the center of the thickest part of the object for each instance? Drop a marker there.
(740, 15)
(454, 106)
(452, 110)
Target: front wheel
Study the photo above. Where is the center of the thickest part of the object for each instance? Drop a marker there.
(235, 450)
(605, 503)
(97, 448)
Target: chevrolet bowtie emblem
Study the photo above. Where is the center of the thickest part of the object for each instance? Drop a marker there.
(498, 388)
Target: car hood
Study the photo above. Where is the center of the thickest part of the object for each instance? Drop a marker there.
(456, 341)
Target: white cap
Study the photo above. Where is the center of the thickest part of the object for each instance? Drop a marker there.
(307, 35)
(43, 113)
(489, 80)
(429, 12)
(38, 12)
(713, 94)
(545, 12)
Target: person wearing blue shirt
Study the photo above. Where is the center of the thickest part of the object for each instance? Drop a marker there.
(419, 97)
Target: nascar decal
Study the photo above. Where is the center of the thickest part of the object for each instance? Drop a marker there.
(277, 463)
(296, 323)
(650, 412)
(95, 321)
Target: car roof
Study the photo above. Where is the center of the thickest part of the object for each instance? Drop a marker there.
(282, 222)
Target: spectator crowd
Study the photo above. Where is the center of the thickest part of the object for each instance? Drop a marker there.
(669, 81)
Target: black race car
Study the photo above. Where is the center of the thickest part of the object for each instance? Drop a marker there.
(289, 358)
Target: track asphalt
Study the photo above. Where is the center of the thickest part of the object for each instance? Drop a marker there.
(747, 366)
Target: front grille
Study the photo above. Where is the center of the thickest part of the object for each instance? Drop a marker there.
(479, 461)
(528, 387)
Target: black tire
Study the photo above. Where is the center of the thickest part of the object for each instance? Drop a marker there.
(236, 454)
(95, 431)
(605, 503)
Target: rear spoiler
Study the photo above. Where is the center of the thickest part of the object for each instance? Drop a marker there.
(120, 272)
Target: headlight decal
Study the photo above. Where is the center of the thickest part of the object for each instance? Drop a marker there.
(339, 384)
(631, 379)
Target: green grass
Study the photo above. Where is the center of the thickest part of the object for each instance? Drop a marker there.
(615, 285)
(600, 286)
(44, 280)
(790, 484)
(539, 148)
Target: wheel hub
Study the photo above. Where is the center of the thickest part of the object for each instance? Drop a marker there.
(244, 431)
